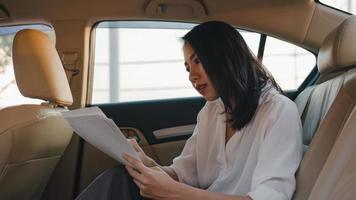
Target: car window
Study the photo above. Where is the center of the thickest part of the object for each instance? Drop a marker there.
(345, 5)
(143, 61)
(252, 39)
(9, 93)
(288, 63)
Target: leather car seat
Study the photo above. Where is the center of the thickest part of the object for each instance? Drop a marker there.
(33, 137)
(325, 107)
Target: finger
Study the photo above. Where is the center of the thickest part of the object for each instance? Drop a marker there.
(142, 188)
(139, 185)
(130, 160)
(146, 194)
(135, 174)
(136, 164)
(135, 145)
(143, 194)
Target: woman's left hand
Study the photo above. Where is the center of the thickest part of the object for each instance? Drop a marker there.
(153, 182)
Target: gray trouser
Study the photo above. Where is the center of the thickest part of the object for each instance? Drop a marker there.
(114, 183)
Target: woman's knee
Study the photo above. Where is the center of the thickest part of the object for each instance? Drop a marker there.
(115, 170)
(118, 171)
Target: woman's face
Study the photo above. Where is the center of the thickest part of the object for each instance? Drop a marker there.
(197, 75)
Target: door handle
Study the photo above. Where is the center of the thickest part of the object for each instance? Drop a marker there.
(131, 134)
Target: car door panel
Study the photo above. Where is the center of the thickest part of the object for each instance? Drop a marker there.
(160, 126)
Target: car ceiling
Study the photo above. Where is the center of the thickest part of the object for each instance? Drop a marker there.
(302, 22)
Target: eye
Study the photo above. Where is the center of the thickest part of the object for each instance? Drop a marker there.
(186, 66)
(196, 60)
(187, 69)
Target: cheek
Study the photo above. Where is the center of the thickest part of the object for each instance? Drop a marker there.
(203, 74)
(205, 77)
(212, 89)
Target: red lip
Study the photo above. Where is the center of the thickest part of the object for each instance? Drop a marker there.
(201, 88)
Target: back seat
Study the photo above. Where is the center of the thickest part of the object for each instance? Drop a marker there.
(337, 179)
(325, 107)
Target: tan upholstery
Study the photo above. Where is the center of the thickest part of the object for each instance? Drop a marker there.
(318, 99)
(329, 105)
(338, 50)
(338, 178)
(325, 135)
(39, 76)
(33, 137)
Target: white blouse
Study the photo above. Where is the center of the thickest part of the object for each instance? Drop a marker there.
(260, 160)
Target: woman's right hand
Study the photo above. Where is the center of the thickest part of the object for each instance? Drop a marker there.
(146, 160)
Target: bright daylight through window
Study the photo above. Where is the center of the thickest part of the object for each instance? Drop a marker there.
(345, 5)
(136, 60)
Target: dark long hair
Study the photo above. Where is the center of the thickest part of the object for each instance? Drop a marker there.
(237, 75)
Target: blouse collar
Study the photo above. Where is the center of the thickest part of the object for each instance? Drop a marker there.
(267, 92)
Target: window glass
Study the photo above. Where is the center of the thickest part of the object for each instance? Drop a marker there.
(9, 93)
(345, 5)
(143, 61)
(289, 64)
(252, 39)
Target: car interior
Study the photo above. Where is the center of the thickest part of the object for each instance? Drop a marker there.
(125, 57)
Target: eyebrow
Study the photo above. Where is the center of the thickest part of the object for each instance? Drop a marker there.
(190, 58)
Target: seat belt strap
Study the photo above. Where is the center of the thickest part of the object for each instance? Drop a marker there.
(70, 64)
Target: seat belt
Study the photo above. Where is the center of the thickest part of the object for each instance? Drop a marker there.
(70, 64)
(303, 100)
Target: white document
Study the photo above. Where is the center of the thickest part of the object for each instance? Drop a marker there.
(94, 127)
(84, 112)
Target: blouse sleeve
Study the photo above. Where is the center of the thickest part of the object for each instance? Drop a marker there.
(279, 155)
(185, 165)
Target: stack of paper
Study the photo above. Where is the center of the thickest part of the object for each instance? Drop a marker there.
(94, 127)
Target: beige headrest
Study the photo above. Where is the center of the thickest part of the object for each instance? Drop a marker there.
(38, 69)
(338, 50)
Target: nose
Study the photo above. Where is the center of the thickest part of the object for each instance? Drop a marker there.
(193, 75)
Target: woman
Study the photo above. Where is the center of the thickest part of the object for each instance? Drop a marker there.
(247, 143)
